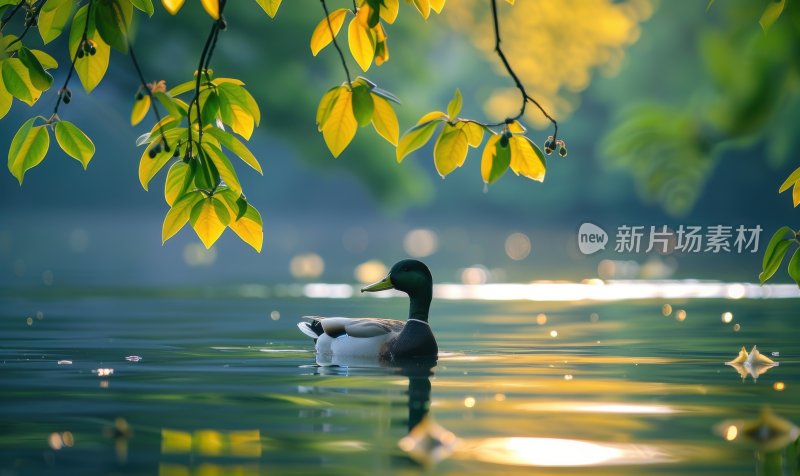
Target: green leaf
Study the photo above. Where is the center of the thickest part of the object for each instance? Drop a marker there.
(363, 105)
(41, 79)
(47, 61)
(794, 266)
(450, 150)
(775, 252)
(74, 142)
(113, 20)
(270, 6)
(5, 99)
(224, 167)
(178, 179)
(186, 87)
(145, 6)
(179, 214)
(53, 16)
(9, 43)
(171, 105)
(90, 68)
(238, 109)
(771, 14)
(17, 81)
(235, 94)
(236, 146)
(496, 158)
(415, 138)
(210, 107)
(454, 107)
(793, 177)
(28, 148)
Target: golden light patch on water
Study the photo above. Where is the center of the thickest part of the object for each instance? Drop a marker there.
(779, 386)
(680, 315)
(514, 381)
(560, 406)
(469, 402)
(545, 359)
(557, 452)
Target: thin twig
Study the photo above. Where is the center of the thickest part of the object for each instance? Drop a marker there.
(74, 59)
(143, 81)
(8, 16)
(202, 68)
(149, 93)
(336, 44)
(28, 23)
(525, 96)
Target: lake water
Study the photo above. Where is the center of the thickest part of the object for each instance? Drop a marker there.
(190, 382)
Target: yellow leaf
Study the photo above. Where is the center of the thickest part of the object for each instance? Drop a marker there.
(362, 41)
(474, 132)
(381, 46)
(209, 218)
(172, 6)
(212, 8)
(450, 150)
(179, 214)
(242, 123)
(431, 116)
(510, 2)
(796, 193)
(526, 159)
(140, 108)
(384, 120)
(389, 10)
(326, 105)
(322, 33)
(424, 7)
(270, 6)
(250, 228)
(437, 5)
(516, 127)
(791, 180)
(340, 128)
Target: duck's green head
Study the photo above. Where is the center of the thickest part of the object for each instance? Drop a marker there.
(410, 276)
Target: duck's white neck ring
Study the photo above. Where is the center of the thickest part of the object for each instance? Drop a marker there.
(418, 320)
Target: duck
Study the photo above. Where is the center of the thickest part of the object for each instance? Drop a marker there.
(343, 339)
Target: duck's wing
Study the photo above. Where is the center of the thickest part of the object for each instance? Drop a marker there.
(355, 327)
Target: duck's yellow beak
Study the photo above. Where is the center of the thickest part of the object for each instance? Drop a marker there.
(383, 284)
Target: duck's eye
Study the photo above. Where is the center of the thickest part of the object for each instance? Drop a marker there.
(404, 269)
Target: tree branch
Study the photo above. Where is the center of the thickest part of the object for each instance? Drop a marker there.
(63, 89)
(335, 44)
(202, 69)
(149, 93)
(525, 96)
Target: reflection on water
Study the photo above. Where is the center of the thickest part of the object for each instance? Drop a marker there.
(221, 386)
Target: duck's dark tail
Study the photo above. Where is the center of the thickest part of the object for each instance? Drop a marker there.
(312, 328)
